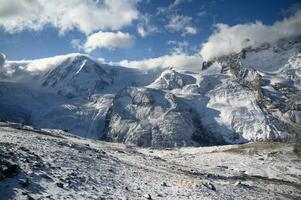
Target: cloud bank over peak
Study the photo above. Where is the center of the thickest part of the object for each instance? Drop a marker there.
(177, 61)
(86, 16)
(232, 39)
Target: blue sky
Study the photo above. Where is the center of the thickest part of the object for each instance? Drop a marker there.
(170, 27)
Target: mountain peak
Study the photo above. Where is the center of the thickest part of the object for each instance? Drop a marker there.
(78, 75)
(171, 79)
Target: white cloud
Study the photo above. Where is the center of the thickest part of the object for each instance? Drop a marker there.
(182, 24)
(190, 30)
(108, 40)
(178, 22)
(176, 3)
(178, 48)
(173, 6)
(2, 59)
(76, 44)
(145, 27)
(141, 31)
(232, 39)
(181, 61)
(85, 15)
(202, 13)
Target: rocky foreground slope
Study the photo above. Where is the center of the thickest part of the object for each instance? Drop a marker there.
(49, 164)
(250, 96)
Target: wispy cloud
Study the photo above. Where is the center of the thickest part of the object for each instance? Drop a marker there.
(176, 3)
(145, 27)
(76, 44)
(180, 23)
(189, 30)
(178, 48)
(202, 13)
(171, 7)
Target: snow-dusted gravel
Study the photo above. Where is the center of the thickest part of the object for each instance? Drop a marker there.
(49, 164)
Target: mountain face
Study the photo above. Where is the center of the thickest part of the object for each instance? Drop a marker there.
(150, 117)
(273, 73)
(77, 76)
(171, 79)
(250, 96)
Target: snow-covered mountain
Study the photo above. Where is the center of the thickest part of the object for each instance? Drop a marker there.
(272, 71)
(250, 96)
(71, 92)
(77, 76)
(150, 117)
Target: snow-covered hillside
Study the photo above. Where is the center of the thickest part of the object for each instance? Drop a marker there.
(250, 96)
(49, 164)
